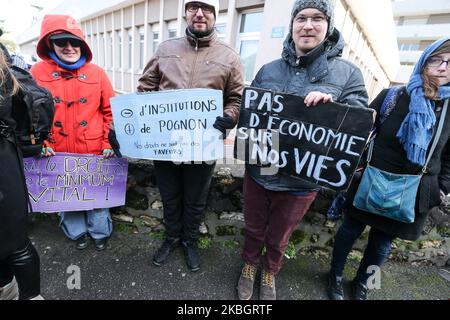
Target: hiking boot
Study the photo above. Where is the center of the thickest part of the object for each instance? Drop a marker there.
(164, 251)
(82, 242)
(246, 282)
(335, 290)
(191, 255)
(100, 244)
(359, 290)
(267, 289)
(10, 291)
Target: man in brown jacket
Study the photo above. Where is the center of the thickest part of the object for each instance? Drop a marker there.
(197, 60)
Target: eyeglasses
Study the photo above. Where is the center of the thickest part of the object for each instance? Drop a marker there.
(63, 42)
(193, 8)
(315, 20)
(437, 62)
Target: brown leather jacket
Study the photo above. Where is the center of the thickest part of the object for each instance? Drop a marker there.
(189, 62)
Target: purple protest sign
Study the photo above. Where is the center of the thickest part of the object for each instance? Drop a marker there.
(75, 182)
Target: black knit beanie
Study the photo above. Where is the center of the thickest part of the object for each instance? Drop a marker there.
(325, 6)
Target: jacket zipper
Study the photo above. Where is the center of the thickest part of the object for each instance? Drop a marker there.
(195, 63)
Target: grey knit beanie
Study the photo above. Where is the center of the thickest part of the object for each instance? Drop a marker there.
(325, 6)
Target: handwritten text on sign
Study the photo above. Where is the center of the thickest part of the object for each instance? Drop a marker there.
(320, 144)
(75, 182)
(175, 125)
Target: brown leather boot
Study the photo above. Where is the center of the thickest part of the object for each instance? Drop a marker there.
(246, 282)
(267, 289)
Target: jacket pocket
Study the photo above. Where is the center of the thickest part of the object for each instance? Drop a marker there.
(93, 142)
(218, 64)
(170, 56)
(170, 59)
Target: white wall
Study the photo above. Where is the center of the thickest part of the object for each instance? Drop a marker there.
(420, 7)
(423, 32)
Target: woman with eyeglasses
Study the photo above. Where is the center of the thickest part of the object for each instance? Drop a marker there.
(81, 92)
(19, 261)
(401, 146)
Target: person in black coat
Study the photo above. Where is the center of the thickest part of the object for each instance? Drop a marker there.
(19, 261)
(401, 147)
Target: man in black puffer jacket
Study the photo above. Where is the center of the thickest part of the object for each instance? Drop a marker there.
(311, 66)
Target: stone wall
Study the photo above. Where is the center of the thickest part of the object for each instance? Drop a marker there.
(224, 220)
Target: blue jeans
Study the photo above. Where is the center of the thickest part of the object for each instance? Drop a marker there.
(376, 252)
(76, 224)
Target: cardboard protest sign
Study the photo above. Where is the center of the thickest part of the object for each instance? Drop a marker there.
(174, 125)
(320, 144)
(75, 182)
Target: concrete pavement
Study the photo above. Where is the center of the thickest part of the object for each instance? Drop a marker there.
(124, 271)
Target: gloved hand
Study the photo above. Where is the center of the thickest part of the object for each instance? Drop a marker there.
(47, 152)
(114, 143)
(224, 123)
(108, 153)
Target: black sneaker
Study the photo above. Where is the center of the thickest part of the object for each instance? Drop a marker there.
(100, 244)
(191, 255)
(335, 290)
(82, 242)
(359, 291)
(164, 251)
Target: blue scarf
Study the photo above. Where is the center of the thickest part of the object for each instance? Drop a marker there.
(74, 66)
(416, 131)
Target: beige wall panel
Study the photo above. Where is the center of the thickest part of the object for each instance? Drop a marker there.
(153, 11)
(86, 27)
(248, 4)
(170, 9)
(439, 18)
(101, 26)
(128, 82)
(108, 21)
(128, 17)
(139, 13)
(117, 80)
(117, 20)
(94, 26)
(223, 4)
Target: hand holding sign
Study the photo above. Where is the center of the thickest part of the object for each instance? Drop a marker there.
(113, 142)
(224, 123)
(314, 97)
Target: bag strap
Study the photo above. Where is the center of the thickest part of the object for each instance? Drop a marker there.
(436, 137)
(433, 146)
(389, 102)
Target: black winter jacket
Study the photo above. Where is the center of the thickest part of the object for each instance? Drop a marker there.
(389, 155)
(322, 70)
(13, 194)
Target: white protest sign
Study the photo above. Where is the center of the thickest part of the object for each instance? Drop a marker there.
(175, 125)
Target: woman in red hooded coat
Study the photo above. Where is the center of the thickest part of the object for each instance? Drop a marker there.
(81, 92)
